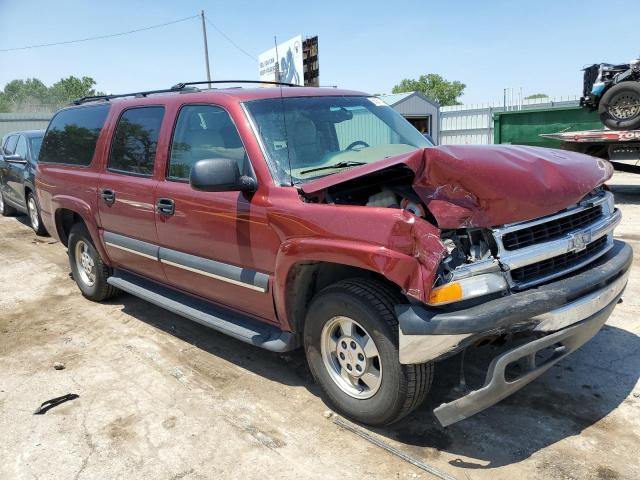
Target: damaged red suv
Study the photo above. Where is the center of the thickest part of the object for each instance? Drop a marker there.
(320, 218)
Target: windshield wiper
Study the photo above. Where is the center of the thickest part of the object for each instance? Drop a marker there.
(335, 165)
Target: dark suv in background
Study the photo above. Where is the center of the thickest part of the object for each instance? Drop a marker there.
(18, 158)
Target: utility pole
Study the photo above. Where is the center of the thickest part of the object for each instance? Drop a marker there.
(275, 42)
(206, 47)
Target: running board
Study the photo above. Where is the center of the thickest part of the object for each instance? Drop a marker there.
(208, 314)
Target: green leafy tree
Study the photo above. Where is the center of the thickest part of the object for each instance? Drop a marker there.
(31, 95)
(435, 87)
(536, 95)
(24, 93)
(71, 88)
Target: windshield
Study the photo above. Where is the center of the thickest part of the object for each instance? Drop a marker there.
(310, 137)
(36, 143)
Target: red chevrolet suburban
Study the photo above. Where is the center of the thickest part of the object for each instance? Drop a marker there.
(291, 216)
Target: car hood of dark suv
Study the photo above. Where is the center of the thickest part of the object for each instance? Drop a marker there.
(488, 185)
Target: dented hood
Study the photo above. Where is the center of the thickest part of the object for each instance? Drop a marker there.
(489, 185)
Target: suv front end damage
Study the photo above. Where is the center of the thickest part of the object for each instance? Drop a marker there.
(553, 280)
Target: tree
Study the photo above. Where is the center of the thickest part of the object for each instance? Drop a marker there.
(31, 95)
(27, 94)
(71, 88)
(435, 87)
(536, 95)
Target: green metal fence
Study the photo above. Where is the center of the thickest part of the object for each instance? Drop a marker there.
(523, 127)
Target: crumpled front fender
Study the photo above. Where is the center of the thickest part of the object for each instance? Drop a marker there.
(413, 269)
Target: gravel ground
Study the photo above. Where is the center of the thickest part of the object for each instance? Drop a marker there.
(163, 398)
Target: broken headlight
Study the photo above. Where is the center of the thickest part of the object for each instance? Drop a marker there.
(469, 269)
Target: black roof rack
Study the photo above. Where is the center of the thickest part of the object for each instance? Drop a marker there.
(178, 87)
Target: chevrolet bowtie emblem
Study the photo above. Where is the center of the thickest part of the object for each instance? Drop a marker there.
(579, 241)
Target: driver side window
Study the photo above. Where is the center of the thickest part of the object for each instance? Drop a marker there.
(204, 131)
(21, 148)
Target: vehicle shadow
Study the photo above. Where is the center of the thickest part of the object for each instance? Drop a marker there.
(573, 395)
(287, 368)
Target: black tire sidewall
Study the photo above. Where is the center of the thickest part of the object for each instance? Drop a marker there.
(603, 108)
(7, 210)
(388, 400)
(77, 234)
(41, 231)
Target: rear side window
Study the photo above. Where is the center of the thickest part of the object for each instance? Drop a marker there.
(72, 135)
(36, 143)
(133, 150)
(204, 131)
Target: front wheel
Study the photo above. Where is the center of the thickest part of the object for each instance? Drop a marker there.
(351, 343)
(34, 216)
(619, 108)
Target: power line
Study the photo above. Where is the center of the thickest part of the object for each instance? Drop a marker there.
(230, 40)
(100, 36)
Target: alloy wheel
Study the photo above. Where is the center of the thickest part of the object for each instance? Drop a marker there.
(351, 357)
(84, 264)
(33, 213)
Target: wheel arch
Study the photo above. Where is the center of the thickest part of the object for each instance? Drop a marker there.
(67, 216)
(306, 266)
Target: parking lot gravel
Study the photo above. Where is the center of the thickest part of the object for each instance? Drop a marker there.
(160, 397)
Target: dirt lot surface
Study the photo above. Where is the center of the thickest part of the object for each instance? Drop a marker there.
(163, 398)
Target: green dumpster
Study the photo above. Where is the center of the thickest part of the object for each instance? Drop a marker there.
(523, 127)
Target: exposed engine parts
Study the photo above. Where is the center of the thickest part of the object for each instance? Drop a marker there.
(464, 246)
(387, 189)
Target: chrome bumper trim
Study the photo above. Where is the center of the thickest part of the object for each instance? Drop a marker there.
(498, 387)
(581, 308)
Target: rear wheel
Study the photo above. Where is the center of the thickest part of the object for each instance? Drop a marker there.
(5, 209)
(619, 107)
(89, 272)
(34, 215)
(351, 343)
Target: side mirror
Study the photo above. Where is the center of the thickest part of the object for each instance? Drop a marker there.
(15, 158)
(220, 175)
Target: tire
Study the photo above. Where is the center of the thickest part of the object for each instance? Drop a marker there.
(34, 216)
(611, 108)
(90, 273)
(368, 304)
(5, 209)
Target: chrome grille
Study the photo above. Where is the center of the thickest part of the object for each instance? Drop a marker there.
(545, 248)
(551, 230)
(557, 264)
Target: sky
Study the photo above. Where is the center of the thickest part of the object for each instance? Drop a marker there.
(370, 46)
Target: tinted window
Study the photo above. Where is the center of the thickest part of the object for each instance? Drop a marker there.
(10, 145)
(204, 131)
(21, 148)
(135, 141)
(36, 143)
(72, 135)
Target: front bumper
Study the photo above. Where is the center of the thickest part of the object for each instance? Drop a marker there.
(567, 312)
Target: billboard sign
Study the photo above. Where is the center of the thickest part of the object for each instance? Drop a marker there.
(288, 67)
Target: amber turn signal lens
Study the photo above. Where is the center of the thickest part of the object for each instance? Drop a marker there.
(445, 294)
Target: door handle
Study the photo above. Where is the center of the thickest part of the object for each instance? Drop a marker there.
(166, 206)
(108, 196)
